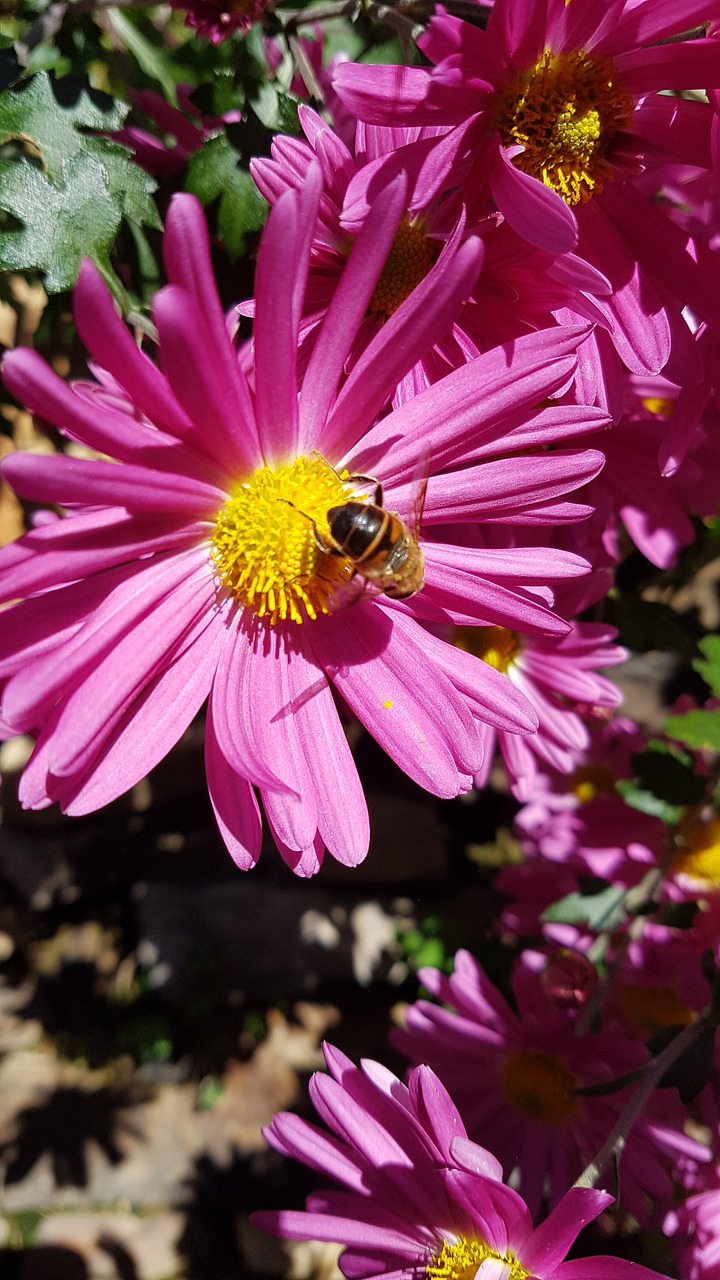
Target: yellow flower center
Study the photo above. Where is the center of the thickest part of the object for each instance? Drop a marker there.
(565, 112)
(267, 544)
(495, 645)
(540, 1085)
(659, 406)
(408, 262)
(701, 859)
(589, 779)
(651, 1009)
(461, 1261)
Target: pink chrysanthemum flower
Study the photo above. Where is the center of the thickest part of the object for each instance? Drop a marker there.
(695, 1230)
(216, 19)
(200, 566)
(532, 1064)
(421, 1202)
(519, 289)
(560, 106)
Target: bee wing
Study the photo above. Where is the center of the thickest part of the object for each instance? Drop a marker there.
(421, 475)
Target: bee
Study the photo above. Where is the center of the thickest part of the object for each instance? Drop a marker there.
(381, 547)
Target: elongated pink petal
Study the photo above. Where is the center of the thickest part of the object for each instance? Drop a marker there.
(108, 340)
(186, 250)
(552, 1240)
(69, 549)
(406, 336)
(69, 481)
(209, 397)
(234, 803)
(346, 312)
(342, 814)
(451, 416)
(154, 723)
(378, 666)
(120, 435)
(281, 274)
(532, 209)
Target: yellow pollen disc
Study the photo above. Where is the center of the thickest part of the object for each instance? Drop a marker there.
(265, 545)
(591, 779)
(461, 1261)
(659, 406)
(540, 1085)
(408, 262)
(700, 861)
(495, 645)
(565, 112)
(652, 1009)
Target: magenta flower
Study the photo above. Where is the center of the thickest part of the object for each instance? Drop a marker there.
(187, 127)
(695, 1230)
(531, 1064)
(199, 568)
(420, 1200)
(559, 108)
(218, 19)
(560, 677)
(520, 288)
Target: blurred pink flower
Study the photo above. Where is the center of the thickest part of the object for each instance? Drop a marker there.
(557, 109)
(187, 127)
(515, 1078)
(194, 569)
(419, 1199)
(216, 20)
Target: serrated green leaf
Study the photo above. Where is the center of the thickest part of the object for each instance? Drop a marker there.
(600, 910)
(211, 169)
(698, 729)
(128, 182)
(710, 669)
(61, 225)
(46, 115)
(242, 211)
(275, 109)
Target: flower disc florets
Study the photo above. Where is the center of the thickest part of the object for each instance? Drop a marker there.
(462, 1260)
(540, 1085)
(410, 258)
(269, 537)
(565, 112)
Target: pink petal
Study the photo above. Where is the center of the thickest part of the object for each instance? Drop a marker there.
(67, 481)
(538, 214)
(378, 664)
(235, 806)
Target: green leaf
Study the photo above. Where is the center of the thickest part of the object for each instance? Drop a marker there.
(242, 211)
(211, 169)
(68, 189)
(601, 910)
(646, 802)
(129, 183)
(276, 110)
(710, 669)
(44, 116)
(152, 60)
(61, 225)
(697, 729)
(215, 171)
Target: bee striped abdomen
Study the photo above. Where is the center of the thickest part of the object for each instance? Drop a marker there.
(360, 530)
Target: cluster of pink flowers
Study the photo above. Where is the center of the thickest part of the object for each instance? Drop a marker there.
(484, 357)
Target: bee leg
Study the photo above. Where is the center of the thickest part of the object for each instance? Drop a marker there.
(320, 542)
